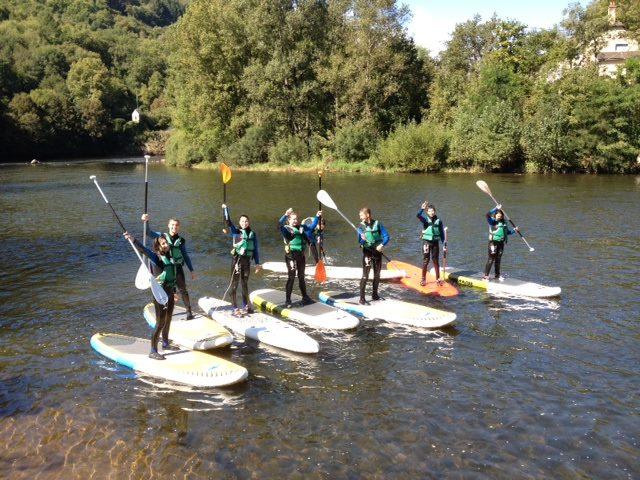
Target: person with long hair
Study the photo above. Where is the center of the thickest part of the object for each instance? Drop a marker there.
(166, 269)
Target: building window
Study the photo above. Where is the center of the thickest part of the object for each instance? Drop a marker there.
(622, 47)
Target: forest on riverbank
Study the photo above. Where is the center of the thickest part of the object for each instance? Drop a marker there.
(277, 83)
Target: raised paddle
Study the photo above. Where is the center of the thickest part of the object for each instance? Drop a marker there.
(142, 277)
(321, 273)
(226, 178)
(158, 292)
(324, 198)
(444, 254)
(482, 185)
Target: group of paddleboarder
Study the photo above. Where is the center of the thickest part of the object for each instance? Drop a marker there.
(169, 255)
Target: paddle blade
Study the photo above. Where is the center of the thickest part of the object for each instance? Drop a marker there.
(321, 272)
(324, 198)
(226, 173)
(142, 278)
(482, 185)
(158, 292)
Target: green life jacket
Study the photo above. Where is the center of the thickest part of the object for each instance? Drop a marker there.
(298, 242)
(372, 234)
(174, 245)
(498, 233)
(245, 246)
(433, 230)
(169, 272)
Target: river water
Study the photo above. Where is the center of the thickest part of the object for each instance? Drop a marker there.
(518, 389)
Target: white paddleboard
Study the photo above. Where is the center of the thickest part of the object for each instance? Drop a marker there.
(200, 333)
(259, 326)
(197, 369)
(390, 310)
(338, 273)
(509, 286)
(317, 315)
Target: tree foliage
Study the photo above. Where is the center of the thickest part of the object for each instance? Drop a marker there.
(70, 72)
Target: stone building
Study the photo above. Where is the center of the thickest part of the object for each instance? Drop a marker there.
(615, 47)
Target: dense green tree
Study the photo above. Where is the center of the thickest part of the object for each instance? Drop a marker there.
(81, 65)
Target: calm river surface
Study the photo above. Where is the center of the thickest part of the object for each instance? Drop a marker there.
(518, 389)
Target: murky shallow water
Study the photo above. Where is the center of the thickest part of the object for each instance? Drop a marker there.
(518, 389)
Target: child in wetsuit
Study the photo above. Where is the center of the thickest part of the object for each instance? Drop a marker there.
(245, 247)
(499, 232)
(316, 240)
(372, 237)
(432, 235)
(295, 236)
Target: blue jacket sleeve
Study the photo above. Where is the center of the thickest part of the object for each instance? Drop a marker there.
(187, 259)
(283, 230)
(310, 228)
(360, 235)
(149, 253)
(232, 228)
(442, 231)
(421, 217)
(256, 253)
(490, 220)
(385, 235)
(151, 232)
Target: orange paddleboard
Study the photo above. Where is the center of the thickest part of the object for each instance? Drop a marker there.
(414, 275)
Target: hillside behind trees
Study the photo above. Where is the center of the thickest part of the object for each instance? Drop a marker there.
(72, 71)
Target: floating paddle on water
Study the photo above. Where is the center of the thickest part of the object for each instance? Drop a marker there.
(321, 273)
(226, 178)
(482, 185)
(158, 292)
(142, 277)
(324, 198)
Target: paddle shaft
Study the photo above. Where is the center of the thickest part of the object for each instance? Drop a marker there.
(146, 197)
(444, 254)
(119, 221)
(320, 238)
(509, 220)
(319, 188)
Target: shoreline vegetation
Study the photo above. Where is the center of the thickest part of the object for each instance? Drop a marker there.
(290, 85)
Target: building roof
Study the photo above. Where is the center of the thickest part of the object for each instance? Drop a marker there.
(616, 56)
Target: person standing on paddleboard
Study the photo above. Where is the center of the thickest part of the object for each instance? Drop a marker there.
(245, 247)
(295, 237)
(372, 237)
(178, 254)
(432, 235)
(165, 266)
(315, 238)
(499, 232)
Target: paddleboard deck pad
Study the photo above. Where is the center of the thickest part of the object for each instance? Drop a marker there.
(390, 310)
(200, 333)
(197, 369)
(509, 286)
(259, 326)
(337, 273)
(414, 276)
(317, 315)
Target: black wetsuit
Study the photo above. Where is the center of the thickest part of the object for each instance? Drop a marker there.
(163, 313)
(295, 260)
